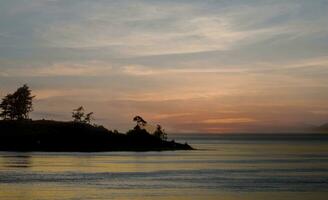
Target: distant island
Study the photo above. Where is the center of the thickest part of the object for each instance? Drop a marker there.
(322, 128)
(19, 133)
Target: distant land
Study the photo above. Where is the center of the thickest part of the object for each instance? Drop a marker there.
(46, 135)
(322, 129)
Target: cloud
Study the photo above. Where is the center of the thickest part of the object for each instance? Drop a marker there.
(143, 28)
(60, 69)
(139, 70)
(229, 121)
(210, 63)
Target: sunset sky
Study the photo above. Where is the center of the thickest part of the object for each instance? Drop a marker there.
(193, 66)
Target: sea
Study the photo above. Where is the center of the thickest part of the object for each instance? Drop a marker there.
(229, 167)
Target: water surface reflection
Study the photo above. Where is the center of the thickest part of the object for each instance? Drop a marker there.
(16, 160)
(223, 169)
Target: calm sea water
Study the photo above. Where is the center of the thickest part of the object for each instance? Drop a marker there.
(223, 167)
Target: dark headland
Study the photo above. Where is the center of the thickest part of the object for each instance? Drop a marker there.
(45, 135)
(19, 133)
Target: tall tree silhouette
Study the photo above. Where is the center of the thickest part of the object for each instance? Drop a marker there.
(78, 115)
(18, 105)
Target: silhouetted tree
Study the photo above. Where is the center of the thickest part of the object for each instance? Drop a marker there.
(160, 133)
(88, 117)
(137, 131)
(78, 115)
(6, 107)
(140, 121)
(18, 105)
(139, 128)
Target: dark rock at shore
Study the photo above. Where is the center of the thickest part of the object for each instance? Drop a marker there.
(45, 135)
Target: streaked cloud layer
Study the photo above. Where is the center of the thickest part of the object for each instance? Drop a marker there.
(194, 66)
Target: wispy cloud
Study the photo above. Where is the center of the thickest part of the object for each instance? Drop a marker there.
(60, 69)
(229, 121)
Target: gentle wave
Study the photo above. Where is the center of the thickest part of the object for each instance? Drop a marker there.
(229, 179)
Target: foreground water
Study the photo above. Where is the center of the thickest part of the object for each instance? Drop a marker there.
(224, 167)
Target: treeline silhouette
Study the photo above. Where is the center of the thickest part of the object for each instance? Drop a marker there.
(18, 105)
(19, 133)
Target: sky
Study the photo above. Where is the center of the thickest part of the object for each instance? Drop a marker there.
(206, 66)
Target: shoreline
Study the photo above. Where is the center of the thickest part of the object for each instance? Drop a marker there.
(57, 136)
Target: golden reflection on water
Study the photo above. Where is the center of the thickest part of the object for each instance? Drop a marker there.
(46, 192)
(157, 161)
